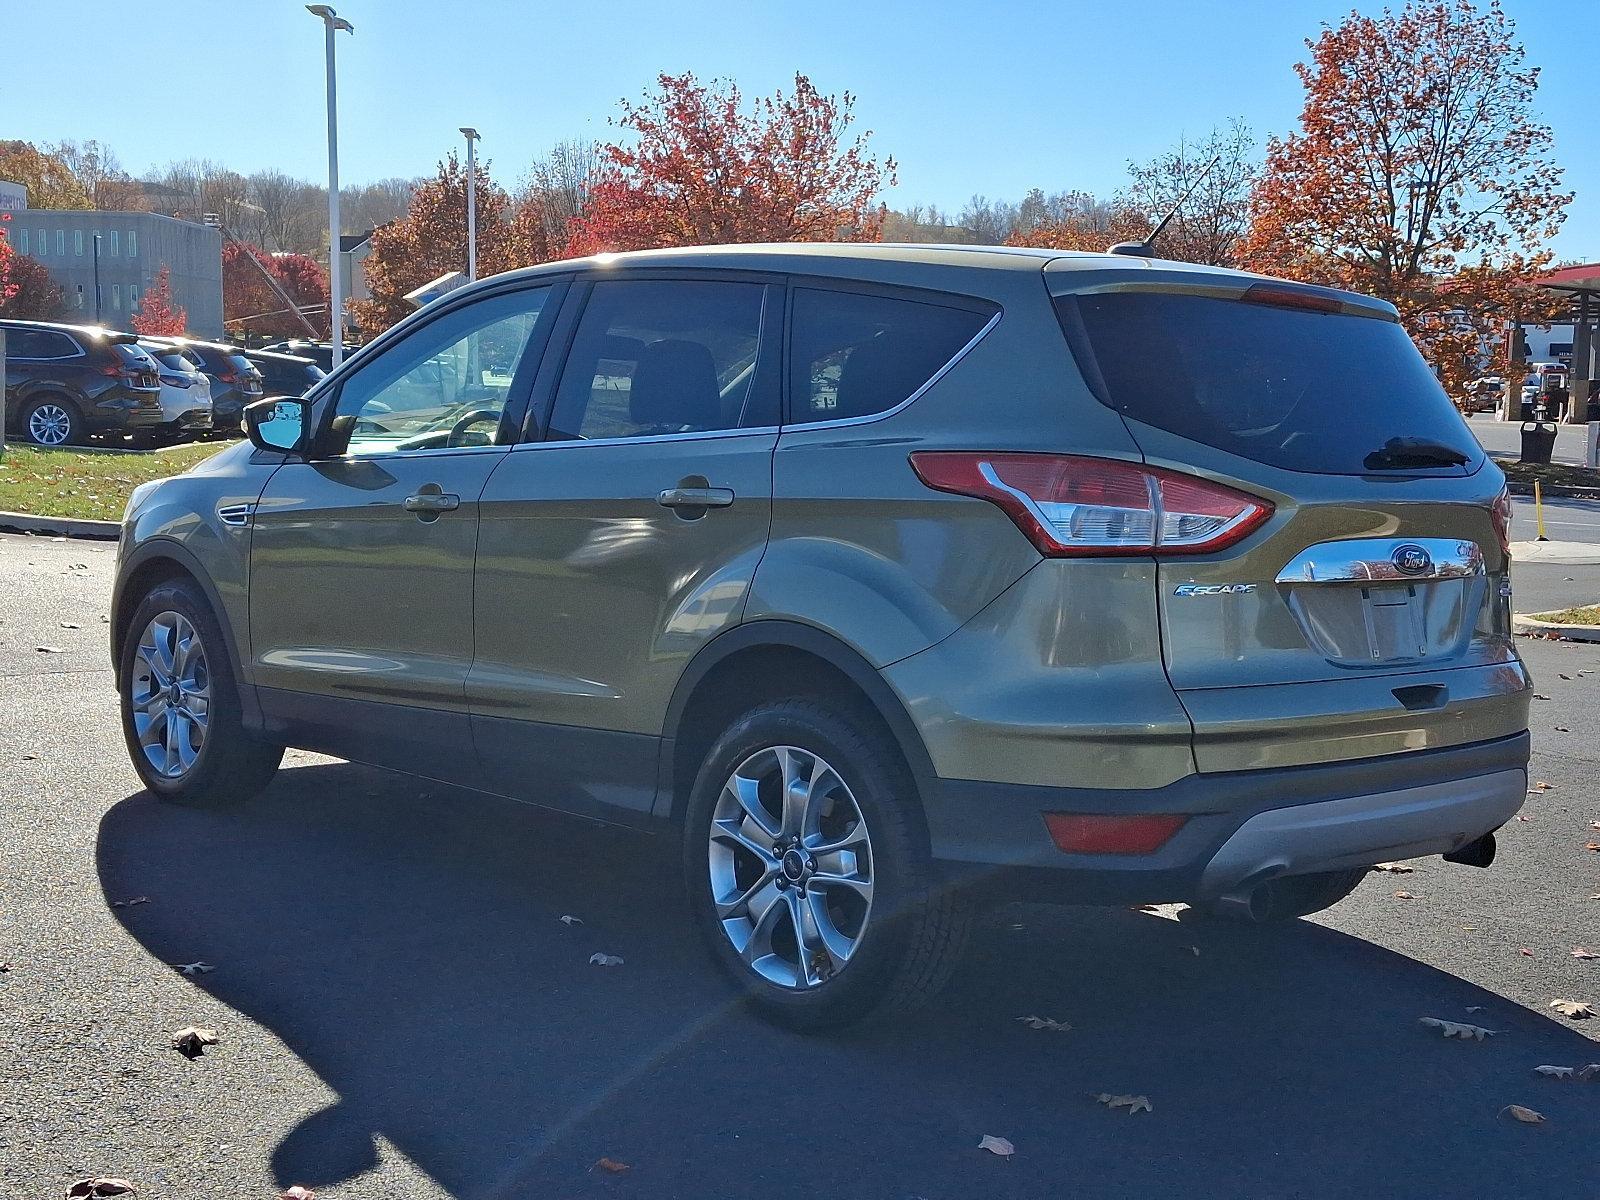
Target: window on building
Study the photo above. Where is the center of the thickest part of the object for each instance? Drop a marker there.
(116, 297)
(79, 297)
(114, 243)
(61, 241)
(22, 241)
(133, 296)
(133, 243)
(77, 242)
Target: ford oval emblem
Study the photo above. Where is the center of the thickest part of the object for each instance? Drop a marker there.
(1411, 559)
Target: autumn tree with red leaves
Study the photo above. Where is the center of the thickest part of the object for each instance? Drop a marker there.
(1419, 174)
(27, 293)
(702, 167)
(157, 313)
(249, 302)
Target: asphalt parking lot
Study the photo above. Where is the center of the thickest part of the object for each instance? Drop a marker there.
(402, 1012)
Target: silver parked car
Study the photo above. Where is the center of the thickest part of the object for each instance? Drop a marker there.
(185, 395)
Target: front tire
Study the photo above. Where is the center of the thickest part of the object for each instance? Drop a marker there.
(181, 716)
(52, 422)
(809, 871)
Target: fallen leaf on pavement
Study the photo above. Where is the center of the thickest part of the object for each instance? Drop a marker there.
(298, 1193)
(606, 960)
(70, 625)
(1593, 846)
(1576, 1009)
(1524, 817)
(997, 1145)
(1556, 1072)
(1536, 696)
(1526, 1115)
(1562, 729)
(1133, 1104)
(196, 968)
(192, 1042)
(1167, 912)
(1394, 868)
(1194, 950)
(1542, 786)
(130, 903)
(48, 649)
(105, 1185)
(1474, 1008)
(1580, 952)
(1458, 1029)
(1525, 952)
(1404, 896)
(571, 920)
(1592, 824)
(1561, 676)
(612, 1165)
(1045, 1023)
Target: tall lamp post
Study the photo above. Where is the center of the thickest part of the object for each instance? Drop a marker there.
(332, 22)
(472, 202)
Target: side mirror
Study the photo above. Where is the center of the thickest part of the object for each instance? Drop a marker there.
(278, 424)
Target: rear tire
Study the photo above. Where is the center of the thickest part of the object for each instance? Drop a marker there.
(815, 937)
(51, 422)
(181, 716)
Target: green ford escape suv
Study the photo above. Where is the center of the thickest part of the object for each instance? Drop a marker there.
(884, 581)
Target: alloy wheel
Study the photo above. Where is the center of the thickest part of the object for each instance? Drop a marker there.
(791, 867)
(169, 690)
(49, 425)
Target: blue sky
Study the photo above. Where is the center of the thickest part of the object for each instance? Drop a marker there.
(969, 97)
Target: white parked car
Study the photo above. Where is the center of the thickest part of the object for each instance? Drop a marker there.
(185, 395)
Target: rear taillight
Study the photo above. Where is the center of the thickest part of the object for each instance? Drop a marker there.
(1100, 833)
(1281, 296)
(228, 376)
(1070, 505)
(1500, 513)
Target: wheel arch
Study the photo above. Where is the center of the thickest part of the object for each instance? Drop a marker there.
(734, 670)
(155, 562)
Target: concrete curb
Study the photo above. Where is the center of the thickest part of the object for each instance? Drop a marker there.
(1556, 553)
(1555, 489)
(13, 522)
(1532, 625)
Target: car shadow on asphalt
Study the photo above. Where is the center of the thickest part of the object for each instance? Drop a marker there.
(405, 940)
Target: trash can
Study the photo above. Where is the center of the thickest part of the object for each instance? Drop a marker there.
(1538, 441)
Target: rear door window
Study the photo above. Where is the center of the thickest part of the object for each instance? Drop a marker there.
(855, 354)
(1304, 390)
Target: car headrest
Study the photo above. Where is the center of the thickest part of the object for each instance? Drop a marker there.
(675, 386)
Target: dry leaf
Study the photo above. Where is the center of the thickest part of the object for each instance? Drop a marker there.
(1537, 696)
(192, 1042)
(1395, 868)
(571, 921)
(1542, 786)
(1474, 1008)
(1576, 1009)
(1458, 1029)
(105, 1185)
(1592, 824)
(1194, 950)
(1592, 846)
(48, 649)
(70, 625)
(196, 968)
(612, 1165)
(1526, 1115)
(606, 960)
(1524, 817)
(1580, 952)
(1561, 676)
(1562, 729)
(997, 1145)
(1525, 952)
(298, 1193)
(1133, 1104)
(1045, 1023)
(1556, 1072)
(1167, 912)
(1404, 896)
(130, 903)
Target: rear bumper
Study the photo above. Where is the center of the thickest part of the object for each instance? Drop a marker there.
(1243, 827)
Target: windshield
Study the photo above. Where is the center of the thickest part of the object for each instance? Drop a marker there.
(175, 361)
(1292, 388)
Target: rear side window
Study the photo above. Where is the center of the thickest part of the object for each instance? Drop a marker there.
(1322, 392)
(655, 357)
(853, 354)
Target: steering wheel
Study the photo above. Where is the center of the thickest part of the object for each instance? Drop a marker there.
(476, 416)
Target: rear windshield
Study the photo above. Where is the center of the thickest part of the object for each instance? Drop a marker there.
(131, 354)
(174, 360)
(1292, 388)
(243, 364)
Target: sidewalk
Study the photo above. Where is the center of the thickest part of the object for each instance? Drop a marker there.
(1568, 553)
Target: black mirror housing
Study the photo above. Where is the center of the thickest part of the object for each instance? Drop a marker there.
(280, 424)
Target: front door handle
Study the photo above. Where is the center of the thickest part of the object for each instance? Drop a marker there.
(432, 503)
(695, 497)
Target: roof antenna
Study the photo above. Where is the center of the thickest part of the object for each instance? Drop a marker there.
(1147, 248)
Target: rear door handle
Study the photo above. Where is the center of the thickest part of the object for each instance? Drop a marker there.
(695, 497)
(432, 502)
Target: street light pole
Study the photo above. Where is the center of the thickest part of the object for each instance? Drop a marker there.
(472, 202)
(333, 22)
(97, 279)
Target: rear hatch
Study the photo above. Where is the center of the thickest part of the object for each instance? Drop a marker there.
(1370, 613)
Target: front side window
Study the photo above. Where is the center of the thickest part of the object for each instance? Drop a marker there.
(445, 385)
(854, 355)
(655, 357)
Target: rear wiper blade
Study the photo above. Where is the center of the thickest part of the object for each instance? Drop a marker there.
(1414, 452)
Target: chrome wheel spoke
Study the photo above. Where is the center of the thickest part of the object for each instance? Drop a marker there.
(747, 793)
(852, 883)
(838, 945)
(736, 833)
(746, 903)
(851, 842)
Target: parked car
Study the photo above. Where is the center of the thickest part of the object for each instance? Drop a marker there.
(883, 582)
(320, 353)
(185, 395)
(285, 374)
(235, 382)
(65, 383)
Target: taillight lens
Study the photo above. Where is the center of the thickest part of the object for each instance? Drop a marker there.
(1070, 505)
(228, 376)
(1500, 513)
(1100, 833)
